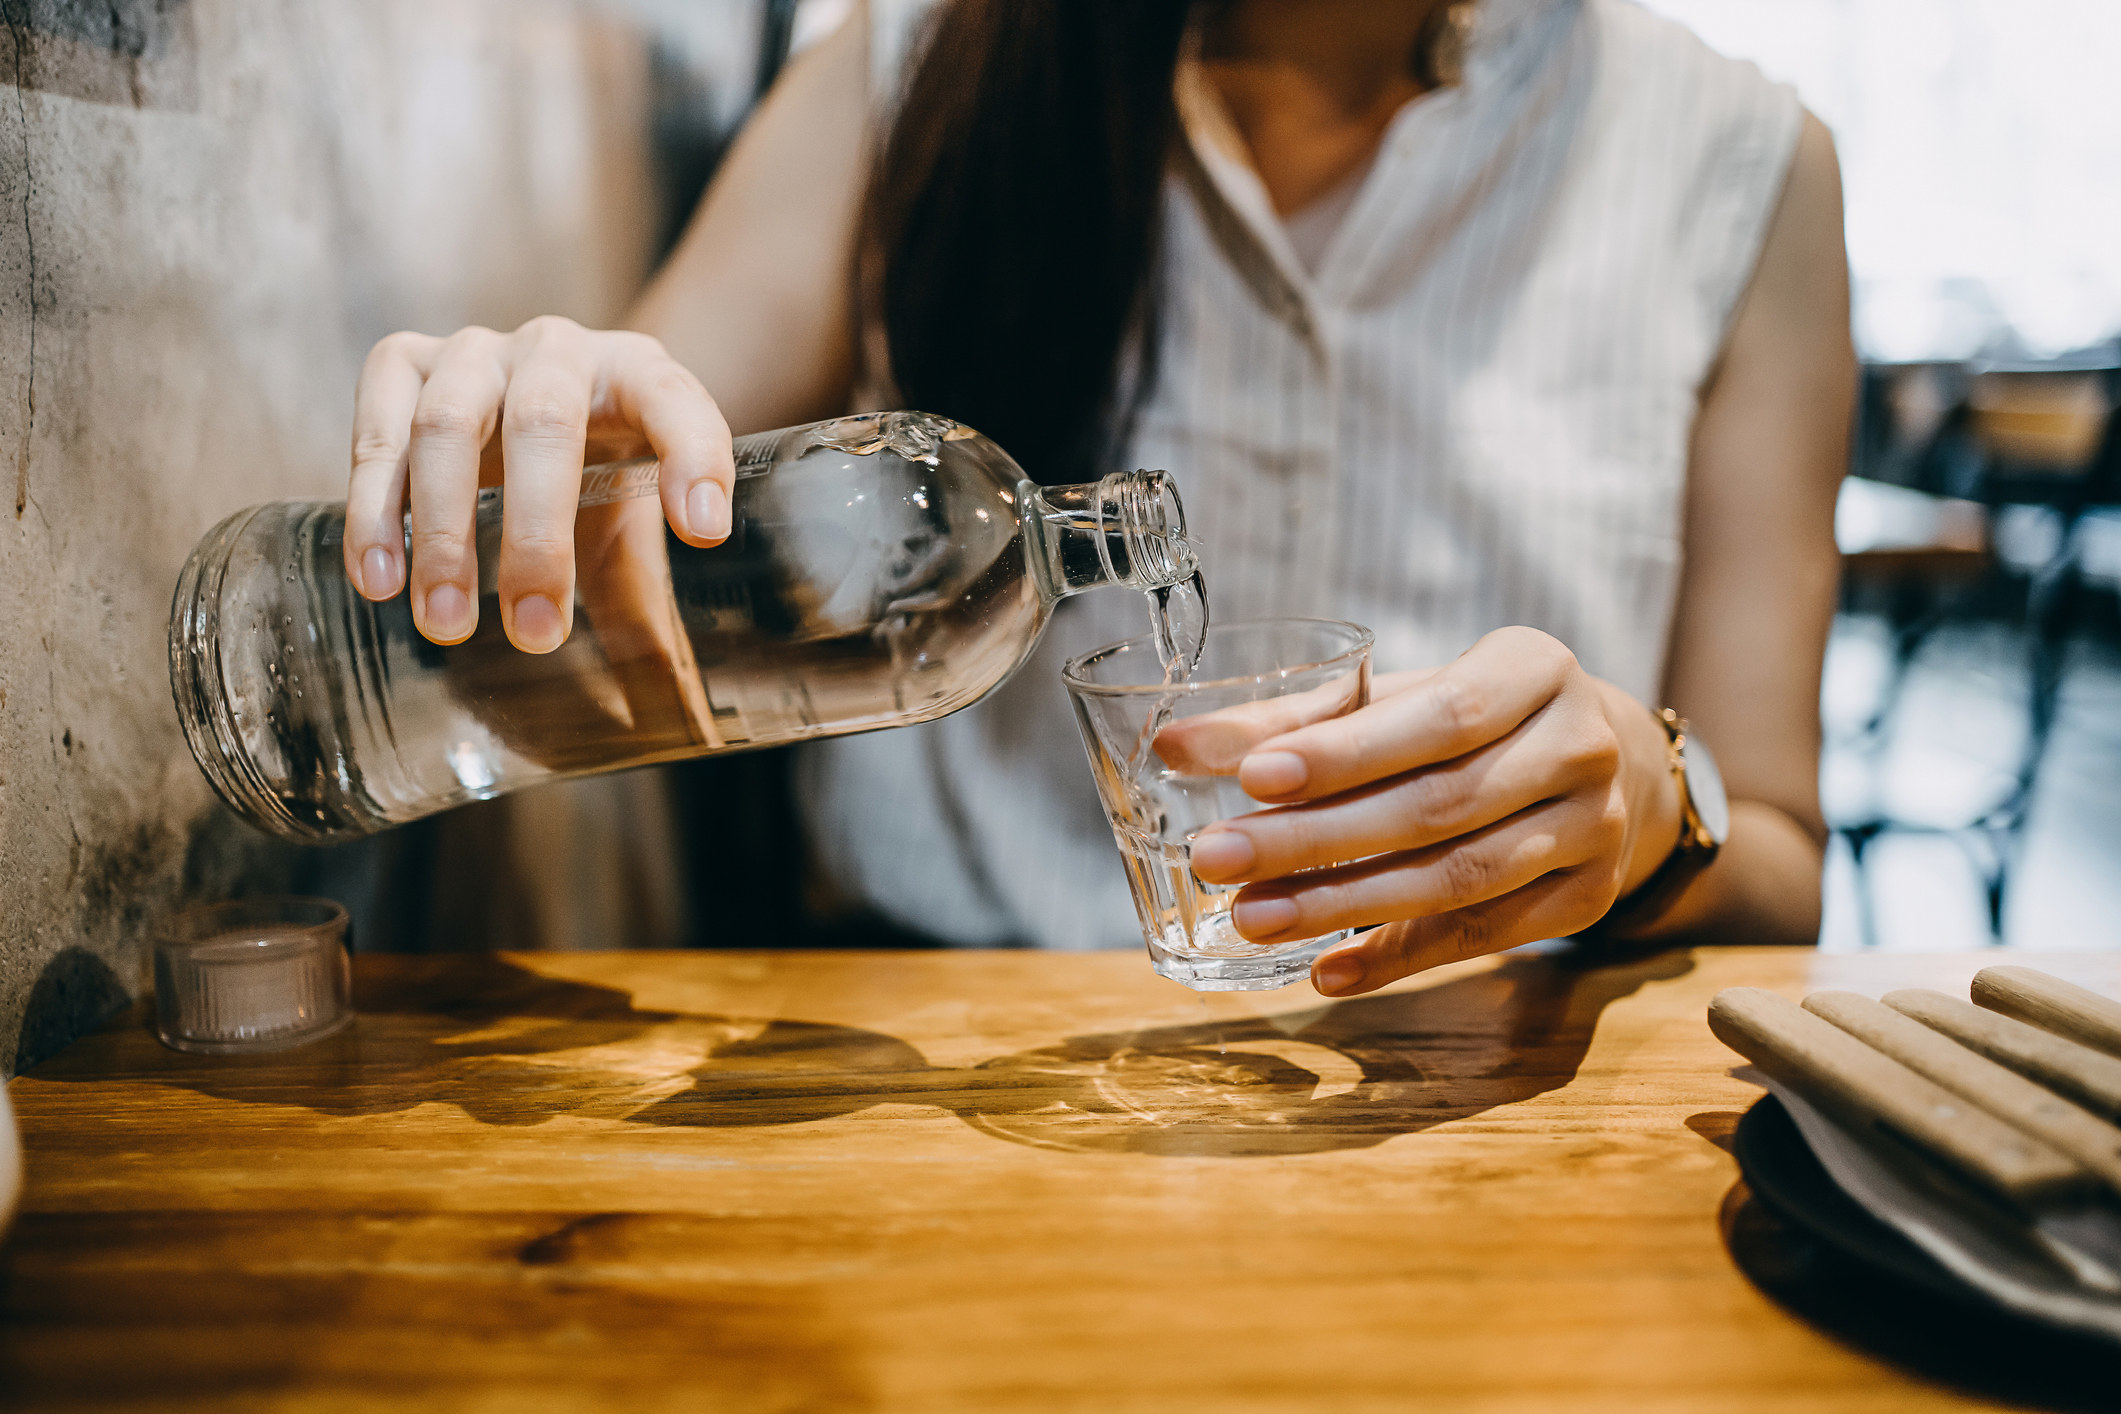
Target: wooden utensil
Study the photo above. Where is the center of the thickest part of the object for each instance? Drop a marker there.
(2051, 1004)
(2091, 1078)
(2004, 1094)
(1876, 1096)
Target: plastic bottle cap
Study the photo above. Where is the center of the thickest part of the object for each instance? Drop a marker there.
(253, 975)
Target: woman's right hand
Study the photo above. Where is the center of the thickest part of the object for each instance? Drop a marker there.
(436, 418)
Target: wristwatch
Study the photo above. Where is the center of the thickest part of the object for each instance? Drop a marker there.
(1704, 824)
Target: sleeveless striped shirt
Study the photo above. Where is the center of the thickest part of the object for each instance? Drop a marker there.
(1474, 411)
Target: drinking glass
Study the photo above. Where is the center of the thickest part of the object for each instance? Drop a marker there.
(1165, 753)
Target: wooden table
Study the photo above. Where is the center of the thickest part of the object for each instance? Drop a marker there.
(928, 1181)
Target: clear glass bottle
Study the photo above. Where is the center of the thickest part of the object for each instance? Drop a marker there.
(881, 570)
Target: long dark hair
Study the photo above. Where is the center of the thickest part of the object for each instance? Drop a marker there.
(1012, 225)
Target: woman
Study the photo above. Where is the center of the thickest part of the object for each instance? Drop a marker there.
(1516, 330)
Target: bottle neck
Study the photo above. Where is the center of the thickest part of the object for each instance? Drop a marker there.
(1127, 530)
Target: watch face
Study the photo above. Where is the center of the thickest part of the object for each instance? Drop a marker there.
(1704, 787)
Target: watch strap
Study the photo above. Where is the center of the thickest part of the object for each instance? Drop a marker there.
(1696, 848)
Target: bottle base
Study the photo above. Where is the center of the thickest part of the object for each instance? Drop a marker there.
(197, 687)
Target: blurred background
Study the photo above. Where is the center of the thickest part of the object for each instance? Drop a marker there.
(223, 203)
(1973, 690)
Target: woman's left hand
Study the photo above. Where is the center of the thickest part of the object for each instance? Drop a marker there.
(1506, 798)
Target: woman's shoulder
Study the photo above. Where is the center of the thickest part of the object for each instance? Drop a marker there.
(1726, 132)
(1664, 67)
(1700, 143)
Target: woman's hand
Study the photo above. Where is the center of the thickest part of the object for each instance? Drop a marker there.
(1506, 798)
(431, 414)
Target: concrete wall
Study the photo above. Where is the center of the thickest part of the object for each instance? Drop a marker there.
(208, 210)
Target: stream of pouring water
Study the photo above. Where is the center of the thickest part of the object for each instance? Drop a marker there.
(1179, 615)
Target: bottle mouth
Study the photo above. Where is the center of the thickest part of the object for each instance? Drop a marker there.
(196, 686)
(1144, 507)
(1127, 529)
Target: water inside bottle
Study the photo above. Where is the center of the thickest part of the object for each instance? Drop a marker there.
(876, 578)
(851, 597)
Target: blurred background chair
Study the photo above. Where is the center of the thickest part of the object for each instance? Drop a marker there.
(1979, 505)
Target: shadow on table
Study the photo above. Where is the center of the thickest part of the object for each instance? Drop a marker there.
(511, 1047)
(1978, 1350)
(1336, 1075)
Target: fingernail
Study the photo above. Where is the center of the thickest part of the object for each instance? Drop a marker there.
(538, 625)
(707, 511)
(446, 615)
(1272, 773)
(1222, 852)
(379, 573)
(1263, 918)
(1336, 973)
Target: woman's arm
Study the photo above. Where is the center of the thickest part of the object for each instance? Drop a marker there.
(757, 299)
(1510, 796)
(1756, 597)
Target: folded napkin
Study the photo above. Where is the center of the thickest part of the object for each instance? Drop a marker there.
(1998, 1263)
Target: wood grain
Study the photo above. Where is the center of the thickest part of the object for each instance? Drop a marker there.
(933, 1182)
